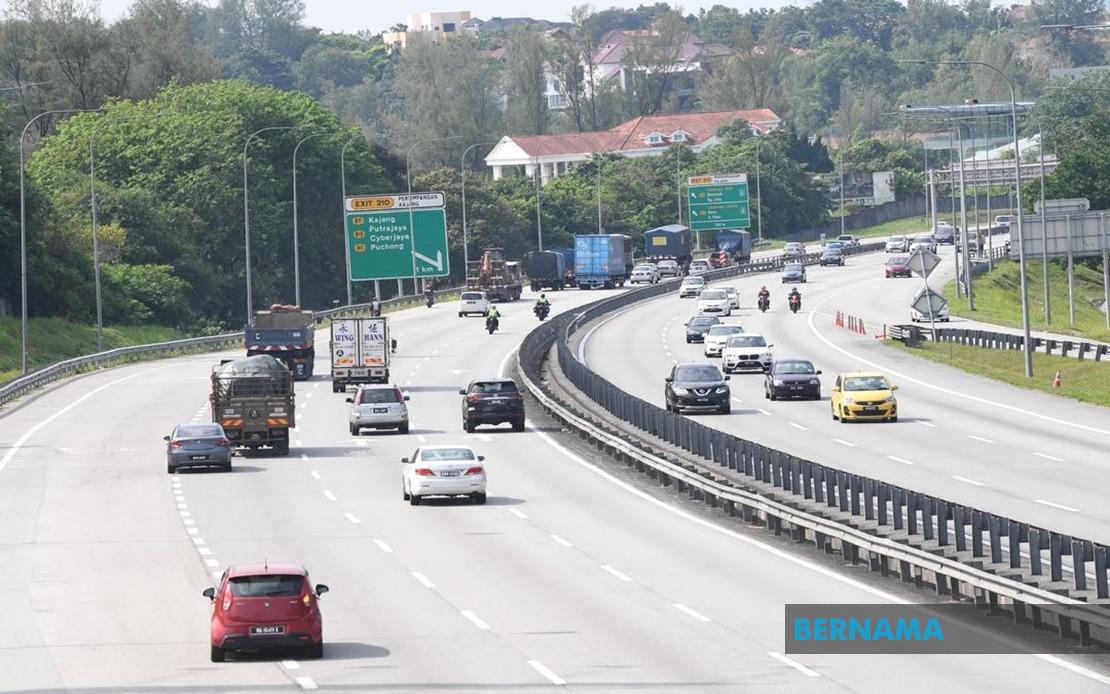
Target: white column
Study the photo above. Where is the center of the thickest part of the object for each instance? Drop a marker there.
(529, 170)
(497, 172)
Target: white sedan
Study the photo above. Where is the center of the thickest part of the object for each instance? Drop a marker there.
(733, 296)
(700, 267)
(714, 301)
(717, 337)
(443, 471)
(648, 274)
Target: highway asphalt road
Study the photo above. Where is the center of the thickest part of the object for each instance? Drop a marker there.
(1016, 452)
(569, 576)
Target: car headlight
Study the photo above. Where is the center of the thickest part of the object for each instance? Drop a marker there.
(815, 382)
(889, 398)
(680, 391)
(848, 400)
(722, 389)
(779, 382)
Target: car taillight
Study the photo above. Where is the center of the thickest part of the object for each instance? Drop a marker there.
(399, 394)
(307, 599)
(175, 444)
(473, 398)
(425, 472)
(227, 603)
(476, 470)
(222, 441)
(517, 395)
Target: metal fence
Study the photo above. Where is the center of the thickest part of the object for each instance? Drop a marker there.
(989, 339)
(1033, 557)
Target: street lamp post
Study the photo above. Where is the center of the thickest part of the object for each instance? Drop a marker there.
(247, 211)
(296, 238)
(343, 194)
(462, 176)
(1044, 231)
(597, 171)
(963, 222)
(840, 165)
(758, 194)
(23, 227)
(537, 172)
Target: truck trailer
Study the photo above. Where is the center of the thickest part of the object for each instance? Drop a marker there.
(360, 349)
(545, 269)
(286, 333)
(737, 243)
(670, 242)
(253, 399)
(602, 260)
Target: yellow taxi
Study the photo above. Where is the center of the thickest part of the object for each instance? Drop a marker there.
(864, 396)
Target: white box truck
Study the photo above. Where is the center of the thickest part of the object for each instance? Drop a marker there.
(360, 349)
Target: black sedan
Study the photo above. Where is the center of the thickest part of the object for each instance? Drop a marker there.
(832, 256)
(700, 387)
(792, 378)
(699, 326)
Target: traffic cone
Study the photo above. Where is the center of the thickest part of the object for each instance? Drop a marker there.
(1056, 380)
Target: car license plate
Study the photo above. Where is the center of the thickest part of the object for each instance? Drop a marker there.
(871, 410)
(381, 410)
(270, 630)
(198, 457)
(703, 399)
(449, 473)
(797, 387)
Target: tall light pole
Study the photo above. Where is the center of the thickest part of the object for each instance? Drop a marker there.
(538, 173)
(758, 193)
(462, 176)
(296, 238)
(343, 194)
(1044, 231)
(247, 211)
(963, 220)
(23, 226)
(597, 172)
(840, 165)
(408, 183)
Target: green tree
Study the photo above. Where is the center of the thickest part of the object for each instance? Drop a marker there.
(526, 62)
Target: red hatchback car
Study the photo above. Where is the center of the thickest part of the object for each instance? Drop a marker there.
(265, 607)
(898, 266)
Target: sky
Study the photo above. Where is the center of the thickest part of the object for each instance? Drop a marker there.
(352, 16)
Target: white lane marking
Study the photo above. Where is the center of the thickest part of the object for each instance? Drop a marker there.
(1055, 505)
(33, 430)
(691, 613)
(212, 562)
(198, 541)
(969, 481)
(352, 517)
(297, 443)
(1048, 457)
(306, 683)
(328, 495)
(315, 385)
(900, 460)
(582, 344)
(183, 506)
(622, 576)
(979, 438)
(738, 401)
(842, 442)
(383, 546)
(793, 663)
(424, 580)
(776, 552)
(763, 411)
(551, 676)
(309, 395)
(185, 514)
(175, 479)
(304, 457)
(178, 498)
(290, 665)
(315, 475)
(485, 437)
(474, 619)
(188, 521)
(216, 573)
(924, 424)
(561, 541)
(204, 551)
(361, 444)
(799, 426)
(436, 351)
(518, 513)
(192, 531)
(422, 438)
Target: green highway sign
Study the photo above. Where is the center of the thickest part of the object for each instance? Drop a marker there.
(719, 202)
(381, 245)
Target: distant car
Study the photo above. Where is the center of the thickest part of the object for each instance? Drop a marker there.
(699, 267)
(792, 378)
(945, 233)
(794, 249)
(691, 286)
(864, 396)
(698, 326)
(697, 387)
(473, 303)
(443, 471)
(267, 606)
(1003, 220)
(717, 337)
(848, 240)
(918, 317)
(719, 259)
(926, 242)
(714, 301)
(897, 244)
(793, 272)
(833, 244)
(646, 274)
(974, 243)
(668, 268)
(197, 445)
(733, 296)
(492, 401)
(898, 266)
(832, 256)
(378, 406)
(746, 352)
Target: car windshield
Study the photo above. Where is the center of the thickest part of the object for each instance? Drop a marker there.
(489, 387)
(198, 430)
(643, 268)
(794, 367)
(697, 373)
(667, 263)
(703, 321)
(471, 296)
(266, 585)
(866, 383)
(793, 267)
(376, 396)
(718, 330)
(898, 260)
(833, 250)
(712, 294)
(694, 280)
(747, 341)
(844, 238)
(897, 239)
(446, 454)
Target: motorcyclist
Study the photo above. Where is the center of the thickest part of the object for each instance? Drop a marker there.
(429, 296)
(375, 307)
(542, 302)
(795, 297)
(493, 317)
(764, 293)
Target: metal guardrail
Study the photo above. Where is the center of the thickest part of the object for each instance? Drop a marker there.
(43, 376)
(998, 561)
(990, 339)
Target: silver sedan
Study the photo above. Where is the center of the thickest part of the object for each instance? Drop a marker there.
(197, 445)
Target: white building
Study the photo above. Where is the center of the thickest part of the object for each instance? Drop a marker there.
(436, 25)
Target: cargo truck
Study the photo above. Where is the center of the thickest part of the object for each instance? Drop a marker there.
(287, 334)
(670, 242)
(602, 260)
(545, 269)
(499, 278)
(568, 261)
(359, 352)
(253, 399)
(737, 243)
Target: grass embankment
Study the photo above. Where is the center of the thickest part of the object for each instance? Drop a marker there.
(54, 339)
(1087, 381)
(998, 298)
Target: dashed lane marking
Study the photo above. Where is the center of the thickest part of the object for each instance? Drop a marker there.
(900, 460)
(474, 619)
(518, 513)
(383, 546)
(424, 580)
(290, 665)
(923, 423)
(969, 481)
(1049, 457)
(622, 576)
(306, 683)
(561, 541)
(690, 613)
(1055, 505)
(979, 438)
(551, 676)
(799, 426)
(315, 475)
(328, 495)
(842, 442)
(793, 663)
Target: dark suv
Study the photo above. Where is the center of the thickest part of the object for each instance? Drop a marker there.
(698, 326)
(492, 401)
(697, 387)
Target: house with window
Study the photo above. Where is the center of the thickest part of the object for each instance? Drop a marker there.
(646, 136)
(436, 25)
(611, 61)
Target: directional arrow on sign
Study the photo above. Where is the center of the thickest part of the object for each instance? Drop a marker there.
(438, 262)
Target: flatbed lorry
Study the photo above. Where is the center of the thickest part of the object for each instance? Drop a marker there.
(252, 398)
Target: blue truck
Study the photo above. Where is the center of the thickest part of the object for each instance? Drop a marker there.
(602, 260)
(669, 242)
(737, 243)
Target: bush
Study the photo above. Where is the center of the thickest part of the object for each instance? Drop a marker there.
(135, 294)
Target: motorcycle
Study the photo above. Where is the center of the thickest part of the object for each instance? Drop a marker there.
(541, 311)
(764, 303)
(429, 300)
(491, 324)
(795, 303)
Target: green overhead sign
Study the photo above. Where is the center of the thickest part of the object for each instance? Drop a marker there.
(719, 202)
(382, 246)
